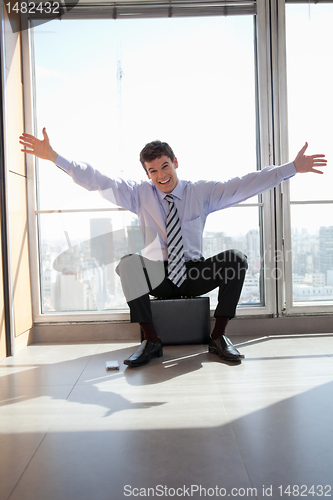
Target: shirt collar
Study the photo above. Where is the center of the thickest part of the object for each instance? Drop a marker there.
(177, 192)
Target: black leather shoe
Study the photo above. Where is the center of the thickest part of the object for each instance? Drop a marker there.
(224, 348)
(145, 352)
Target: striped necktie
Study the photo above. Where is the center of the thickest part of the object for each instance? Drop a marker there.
(176, 260)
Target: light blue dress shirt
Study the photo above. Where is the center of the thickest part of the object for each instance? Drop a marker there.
(194, 201)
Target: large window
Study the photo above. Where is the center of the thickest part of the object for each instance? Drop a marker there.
(103, 90)
(231, 94)
(310, 82)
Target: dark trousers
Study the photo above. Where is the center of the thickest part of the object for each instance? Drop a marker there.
(141, 277)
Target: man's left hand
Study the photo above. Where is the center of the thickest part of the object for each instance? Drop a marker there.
(305, 163)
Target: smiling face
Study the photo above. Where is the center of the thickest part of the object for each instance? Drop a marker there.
(162, 172)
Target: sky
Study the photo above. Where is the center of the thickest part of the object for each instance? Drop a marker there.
(181, 83)
(310, 83)
(310, 107)
(189, 82)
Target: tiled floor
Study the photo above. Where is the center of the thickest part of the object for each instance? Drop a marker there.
(185, 426)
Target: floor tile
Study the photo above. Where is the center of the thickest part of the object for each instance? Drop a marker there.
(26, 414)
(69, 429)
(45, 365)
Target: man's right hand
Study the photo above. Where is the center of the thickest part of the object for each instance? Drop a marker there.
(41, 149)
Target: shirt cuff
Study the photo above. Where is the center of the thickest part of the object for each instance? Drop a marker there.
(63, 163)
(288, 170)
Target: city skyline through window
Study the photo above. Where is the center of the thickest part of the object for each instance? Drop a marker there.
(309, 36)
(190, 82)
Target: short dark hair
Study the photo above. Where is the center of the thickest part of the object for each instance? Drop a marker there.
(155, 149)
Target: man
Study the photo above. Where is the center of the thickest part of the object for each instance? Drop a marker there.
(172, 215)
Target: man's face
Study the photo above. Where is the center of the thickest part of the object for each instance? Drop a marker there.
(162, 172)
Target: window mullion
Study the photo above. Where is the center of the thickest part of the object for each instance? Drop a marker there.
(266, 148)
(280, 141)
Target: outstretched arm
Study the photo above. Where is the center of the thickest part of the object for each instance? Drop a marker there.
(40, 148)
(120, 192)
(305, 163)
(226, 194)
